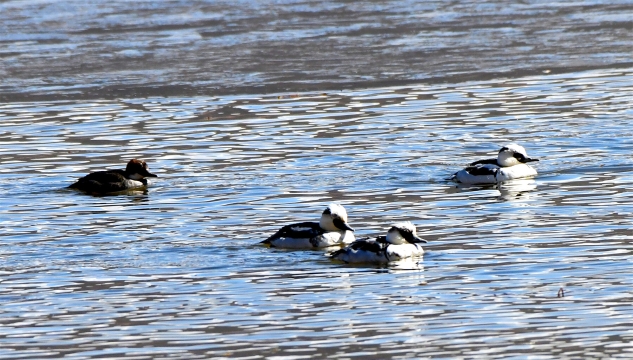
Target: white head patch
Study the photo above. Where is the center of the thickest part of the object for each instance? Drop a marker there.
(395, 237)
(333, 211)
(338, 211)
(506, 155)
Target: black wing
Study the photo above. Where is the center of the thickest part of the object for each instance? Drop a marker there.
(484, 162)
(299, 230)
(482, 170)
(101, 182)
(479, 168)
(104, 176)
(374, 245)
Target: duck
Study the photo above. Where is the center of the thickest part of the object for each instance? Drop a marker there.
(511, 163)
(112, 181)
(331, 230)
(400, 243)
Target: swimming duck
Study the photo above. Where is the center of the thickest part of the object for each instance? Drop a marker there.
(401, 243)
(511, 163)
(110, 181)
(331, 230)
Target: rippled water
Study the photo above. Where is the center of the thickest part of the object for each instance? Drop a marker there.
(118, 48)
(177, 272)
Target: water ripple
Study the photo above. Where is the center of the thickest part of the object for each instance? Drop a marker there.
(176, 271)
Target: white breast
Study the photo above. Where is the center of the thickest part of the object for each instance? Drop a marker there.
(334, 238)
(404, 251)
(515, 172)
(133, 184)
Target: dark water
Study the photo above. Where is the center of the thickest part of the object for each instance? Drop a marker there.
(110, 49)
(176, 272)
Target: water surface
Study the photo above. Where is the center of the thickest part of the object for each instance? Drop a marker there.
(126, 49)
(177, 272)
(257, 114)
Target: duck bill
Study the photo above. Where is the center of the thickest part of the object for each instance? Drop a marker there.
(527, 160)
(342, 224)
(417, 240)
(149, 174)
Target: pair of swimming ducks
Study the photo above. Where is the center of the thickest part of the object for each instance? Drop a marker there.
(401, 241)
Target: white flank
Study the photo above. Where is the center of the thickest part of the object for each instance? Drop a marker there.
(133, 184)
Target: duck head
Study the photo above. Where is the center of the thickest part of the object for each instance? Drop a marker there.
(334, 218)
(403, 233)
(137, 170)
(513, 154)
